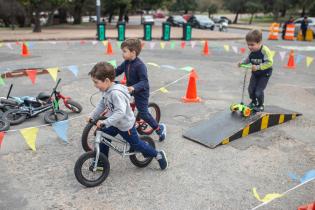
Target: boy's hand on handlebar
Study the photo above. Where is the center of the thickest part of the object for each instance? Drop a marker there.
(99, 124)
(88, 119)
(239, 64)
(131, 89)
(254, 68)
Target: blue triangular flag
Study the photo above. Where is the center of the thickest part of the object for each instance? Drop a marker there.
(299, 58)
(308, 176)
(61, 129)
(74, 69)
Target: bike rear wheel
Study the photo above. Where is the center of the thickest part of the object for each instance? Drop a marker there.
(83, 169)
(143, 127)
(14, 116)
(73, 106)
(4, 125)
(140, 160)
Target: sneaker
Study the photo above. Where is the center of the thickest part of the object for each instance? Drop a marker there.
(161, 158)
(259, 108)
(161, 132)
(252, 105)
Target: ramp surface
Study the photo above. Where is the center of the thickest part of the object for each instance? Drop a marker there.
(226, 126)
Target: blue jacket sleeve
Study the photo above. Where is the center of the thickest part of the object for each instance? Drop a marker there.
(143, 78)
(120, 69)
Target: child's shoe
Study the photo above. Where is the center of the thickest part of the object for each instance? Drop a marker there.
(252, 105)
(161, 132)
(259, 108)
(161, 158)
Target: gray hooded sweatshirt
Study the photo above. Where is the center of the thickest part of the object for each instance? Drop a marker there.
(115, 102)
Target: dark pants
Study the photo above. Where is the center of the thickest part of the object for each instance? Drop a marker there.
(132, 138)
(304, 33)
(256, 88)
(142, 107)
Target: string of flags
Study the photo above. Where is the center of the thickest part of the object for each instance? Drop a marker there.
(61, 128)
(307, 177)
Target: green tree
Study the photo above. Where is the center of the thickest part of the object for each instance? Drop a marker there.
(212, 9)
(235, 6)
(184, 5)
(253, 7)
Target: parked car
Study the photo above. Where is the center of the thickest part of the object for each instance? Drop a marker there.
(201, 21)
(220, 19)
(187, 16)
(147, 19)
(311, 24)
(176, 20)
(159, 15)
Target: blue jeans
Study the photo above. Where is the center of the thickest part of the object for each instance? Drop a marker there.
(132, 138)
(142, 107)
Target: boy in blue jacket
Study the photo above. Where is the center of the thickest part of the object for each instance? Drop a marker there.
(138, 83)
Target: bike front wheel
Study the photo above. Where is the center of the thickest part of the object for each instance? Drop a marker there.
(83, 169)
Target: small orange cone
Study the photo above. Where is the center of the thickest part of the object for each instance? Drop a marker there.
(206, 48)
(191, 93)
(142, 45)
(183, 44)
(25, 52)
(109, 49)
(124, 80)
(291, 63)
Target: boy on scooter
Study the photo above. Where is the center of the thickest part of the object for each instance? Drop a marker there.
(262, 60)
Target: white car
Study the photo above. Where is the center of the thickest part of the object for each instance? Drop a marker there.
(311, 24)
(147, 19)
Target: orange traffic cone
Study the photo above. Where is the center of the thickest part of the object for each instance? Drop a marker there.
(109, 49)
(291, 63)
(191, 93)
(205, 48)
(310, 206)
(124, 80)
(24, 52)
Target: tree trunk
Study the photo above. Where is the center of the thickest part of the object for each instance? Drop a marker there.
(236, 18)
(283, 12)
(121, 13)
(110, 18)
(78, 11)
(251, 19)
(37, 26)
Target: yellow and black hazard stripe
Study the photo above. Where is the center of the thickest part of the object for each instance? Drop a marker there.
(265, 121)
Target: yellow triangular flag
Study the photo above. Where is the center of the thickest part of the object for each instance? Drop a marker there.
(1, 44)
(202, 42)
(163, 90)
(153, 64)
(272, 53)
(267, 197)
(53, 72)
(105, 43)
(162, 45)
(309, 60)
(227, 48)
(30, 135)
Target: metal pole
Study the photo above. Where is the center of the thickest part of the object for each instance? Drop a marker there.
(98, 11)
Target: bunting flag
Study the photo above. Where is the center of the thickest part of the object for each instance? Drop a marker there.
(30, 45)
(32, 75)
(226, 48)
(74, 69)
(53, 72)
(82, 42)
(306, 177)
(152, 44)
(9, 46)
(30, 135)
(168, 67)
(234, 48)
(1, 138)
(94, 42)
(173, 45)
(154, 64)
(187, 68)
(309, 60)
(118, 44)
(282, 55)
(272, 53)
(299, 58)
(163, 90)
(162, 44)
(267, 197)
(192, 44)
(53, 42)
(243, 50)
(61, 128)
(105, 43)
(113, 63)
(1, 81)
(1, 44)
